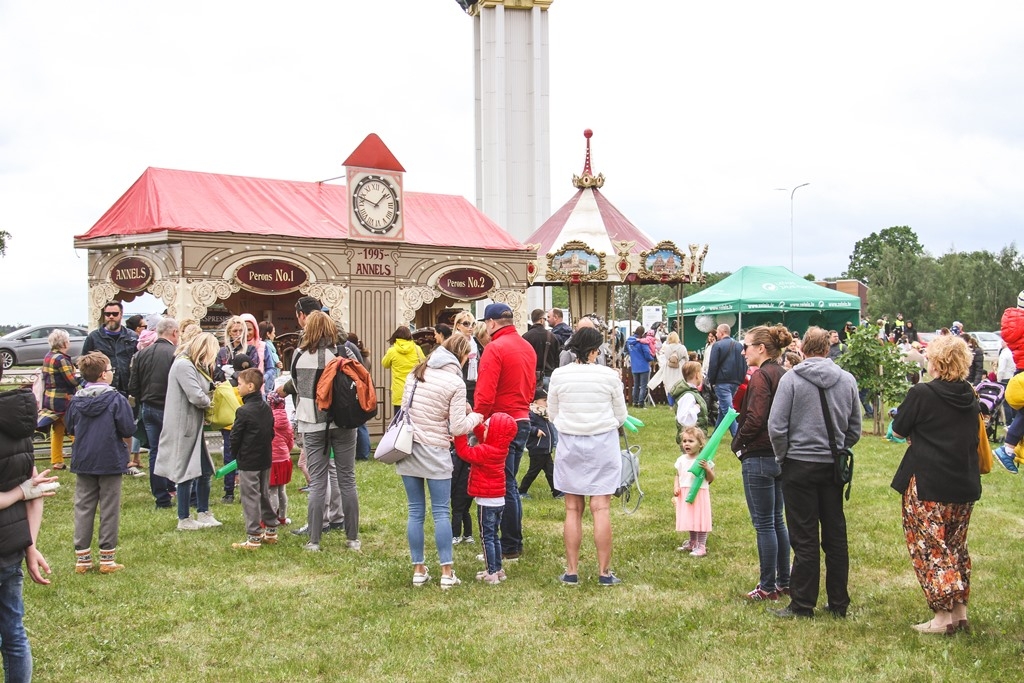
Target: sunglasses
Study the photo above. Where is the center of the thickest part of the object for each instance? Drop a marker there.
(111, 314)
(466, 323)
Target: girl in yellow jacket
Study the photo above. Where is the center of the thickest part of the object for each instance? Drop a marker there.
(403, 355)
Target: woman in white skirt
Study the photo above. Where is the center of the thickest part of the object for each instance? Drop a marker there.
(587, 404)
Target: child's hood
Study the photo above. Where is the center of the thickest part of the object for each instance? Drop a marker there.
(94, 399)
(501, 430)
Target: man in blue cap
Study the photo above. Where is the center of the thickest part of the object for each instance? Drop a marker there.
(506, 382)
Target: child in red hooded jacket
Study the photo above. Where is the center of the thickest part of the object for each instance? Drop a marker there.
(281, 454)
(487, 484)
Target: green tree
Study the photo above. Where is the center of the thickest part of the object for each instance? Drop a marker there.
(867, 252)
(4, 236)
(879, 369)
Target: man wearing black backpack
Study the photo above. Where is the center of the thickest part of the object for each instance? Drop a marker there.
(726, 371)
(545, 344)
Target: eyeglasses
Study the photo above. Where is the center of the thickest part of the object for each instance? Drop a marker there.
(111, 314)
(110, 370)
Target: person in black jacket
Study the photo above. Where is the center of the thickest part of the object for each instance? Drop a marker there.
(116, 342)
(252, 436)
(726, 371)
(977, 370)
(545, 344)
(940, 480)
(539, 444)
(148, 384)
(21, 512)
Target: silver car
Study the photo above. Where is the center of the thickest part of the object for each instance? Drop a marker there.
(29, 345)
(990, 343)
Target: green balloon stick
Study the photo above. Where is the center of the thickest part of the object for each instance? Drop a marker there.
(227, 469)
(708, 453)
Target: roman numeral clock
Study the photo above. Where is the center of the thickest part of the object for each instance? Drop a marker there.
(376, 204)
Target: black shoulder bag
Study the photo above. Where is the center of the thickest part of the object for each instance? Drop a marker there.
(842, 459)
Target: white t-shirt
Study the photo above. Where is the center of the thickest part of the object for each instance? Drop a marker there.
(490, 502)
(683, 465)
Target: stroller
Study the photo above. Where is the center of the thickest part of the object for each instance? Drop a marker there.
(990, 397)
(630, 476)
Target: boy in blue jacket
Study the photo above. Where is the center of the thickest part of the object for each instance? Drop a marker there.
(640, 359)
(102, 423)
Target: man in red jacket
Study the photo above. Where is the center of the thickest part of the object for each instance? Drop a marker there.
(505, 383)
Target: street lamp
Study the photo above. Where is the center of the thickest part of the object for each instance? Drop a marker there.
(792, 235)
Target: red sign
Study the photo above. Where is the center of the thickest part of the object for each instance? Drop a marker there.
(465, 283)
(270, 276)
(131, 274)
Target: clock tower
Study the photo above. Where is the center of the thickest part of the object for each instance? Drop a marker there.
(376, 205)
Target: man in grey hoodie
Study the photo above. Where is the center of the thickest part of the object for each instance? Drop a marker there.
(814, 499)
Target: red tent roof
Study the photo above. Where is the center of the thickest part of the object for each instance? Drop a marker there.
(187, 201)
(373, 153)
(590, 218)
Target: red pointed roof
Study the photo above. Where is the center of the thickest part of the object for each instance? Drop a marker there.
(188, 201)
(373, 153)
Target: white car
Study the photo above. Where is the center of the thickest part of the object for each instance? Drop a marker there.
(990, 343)
(29, 345)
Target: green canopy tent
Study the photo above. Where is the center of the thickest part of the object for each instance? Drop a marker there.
(760, 296)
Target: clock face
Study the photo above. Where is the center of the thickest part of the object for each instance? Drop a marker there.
(375, 203)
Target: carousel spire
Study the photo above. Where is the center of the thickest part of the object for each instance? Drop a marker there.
(588, 179)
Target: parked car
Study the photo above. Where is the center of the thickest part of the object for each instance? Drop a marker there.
(925, 338)
(29, 345)
(990, 343)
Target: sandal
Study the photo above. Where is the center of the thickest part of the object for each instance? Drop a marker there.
(58, 466)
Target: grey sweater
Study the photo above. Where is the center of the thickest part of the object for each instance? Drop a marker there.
(796, 424)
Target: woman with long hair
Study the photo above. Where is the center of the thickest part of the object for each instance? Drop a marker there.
(435, 397)
(586, 401)
(320, 436)
(940, 481)
(762, 475)
(814, 499)
(59, 385)
(672, 357)
(183, 456)
(462, 518)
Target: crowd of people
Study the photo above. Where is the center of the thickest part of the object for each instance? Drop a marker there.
(480, 396)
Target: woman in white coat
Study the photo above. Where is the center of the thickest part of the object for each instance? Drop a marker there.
(435, 396)
(671, 358)
(587, 404)
(183, 457)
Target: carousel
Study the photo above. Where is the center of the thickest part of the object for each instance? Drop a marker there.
(590, 247)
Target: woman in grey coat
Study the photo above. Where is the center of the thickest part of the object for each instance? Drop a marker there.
(183, 457)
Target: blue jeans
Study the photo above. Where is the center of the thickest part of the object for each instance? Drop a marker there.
(640, 380)
(489, 520)
(17, 653)
(200, 486)
(512, 519)
(362, 442)
(229, 479)
(762, 485)
(724, 392)
(440, 493)
(153, 422)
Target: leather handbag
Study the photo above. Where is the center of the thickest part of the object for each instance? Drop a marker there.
(985, 454)
(396, 444)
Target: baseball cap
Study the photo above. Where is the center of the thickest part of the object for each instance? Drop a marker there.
(1020, 299)
(496, 311)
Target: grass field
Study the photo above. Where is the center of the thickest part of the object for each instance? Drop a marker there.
(189, 608)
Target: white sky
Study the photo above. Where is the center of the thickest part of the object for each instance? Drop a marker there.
(905, 113)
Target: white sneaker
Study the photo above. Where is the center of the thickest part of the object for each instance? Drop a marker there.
(135, 472)
(354, 545)
(188, 524)
(467, 539)
(449, 581)
(457, 540)
(312, 547)
(206, 519)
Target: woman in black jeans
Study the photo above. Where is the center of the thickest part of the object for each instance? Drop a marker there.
(762, 484)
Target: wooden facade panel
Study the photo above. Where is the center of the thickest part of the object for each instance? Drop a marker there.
(373, 316)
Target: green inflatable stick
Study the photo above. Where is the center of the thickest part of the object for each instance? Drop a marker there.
(634, 421)
(227, 469)
(708, 453)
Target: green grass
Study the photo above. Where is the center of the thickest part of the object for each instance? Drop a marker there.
(189, 608)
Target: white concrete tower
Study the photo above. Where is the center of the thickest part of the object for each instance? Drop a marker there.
(513, 155)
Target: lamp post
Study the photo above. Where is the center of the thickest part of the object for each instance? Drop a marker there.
(792, 234)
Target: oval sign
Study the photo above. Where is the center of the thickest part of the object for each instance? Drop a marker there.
(465, 283)
(270, 276)
(131, 274)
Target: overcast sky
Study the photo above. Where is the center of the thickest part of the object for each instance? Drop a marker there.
(905, 113)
